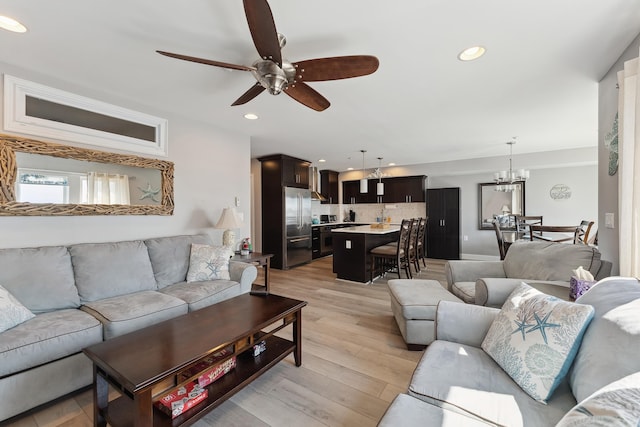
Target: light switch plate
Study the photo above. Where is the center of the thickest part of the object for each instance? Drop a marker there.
(609, 220)
(347, 244)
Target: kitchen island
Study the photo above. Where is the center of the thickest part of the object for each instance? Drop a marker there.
(351, 246)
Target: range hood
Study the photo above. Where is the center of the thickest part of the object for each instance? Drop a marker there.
(313, 185)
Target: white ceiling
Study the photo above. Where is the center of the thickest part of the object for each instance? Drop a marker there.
(537, 81)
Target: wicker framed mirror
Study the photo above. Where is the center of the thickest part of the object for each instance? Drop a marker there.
(156, 199)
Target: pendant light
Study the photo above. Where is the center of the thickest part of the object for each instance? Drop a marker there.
(380, 184)
(506, 179)
(363, 182)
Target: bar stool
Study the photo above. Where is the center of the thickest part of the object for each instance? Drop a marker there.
(412, 250)
(421, 253)
(393, 255)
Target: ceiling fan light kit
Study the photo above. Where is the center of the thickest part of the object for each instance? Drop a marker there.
(277, 75)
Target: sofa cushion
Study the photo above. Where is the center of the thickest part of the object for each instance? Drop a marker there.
(615, 405)
(209, 262)
(12, 312)
(407, 411)
(170, 257)
(47, 337)
(105, 270)
(202, 294)
(535, 338)
(466, 379)
(610, 346)
(127, 313)
(549, 260)
(30, 273)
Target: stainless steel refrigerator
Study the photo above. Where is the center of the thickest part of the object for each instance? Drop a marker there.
(297, 210)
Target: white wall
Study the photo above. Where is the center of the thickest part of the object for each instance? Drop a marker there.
(608, 239)
(211, 169)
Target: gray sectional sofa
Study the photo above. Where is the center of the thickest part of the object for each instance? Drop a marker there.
(546, 266)
(85, 293)
(456, 383)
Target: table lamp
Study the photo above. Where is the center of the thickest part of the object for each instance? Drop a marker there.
(229, 221)
(505, 209)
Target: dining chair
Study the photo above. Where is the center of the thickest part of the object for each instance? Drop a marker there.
(524, 221)
(567, 233)
(501, 245)
(583, 232)
(390, 257)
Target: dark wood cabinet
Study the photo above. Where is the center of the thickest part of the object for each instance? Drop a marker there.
(315, 243)
(277, 172)
(329, 186)
(407, 189)
(289, 171)
(351, 193)
(403, 189)
(443, 223)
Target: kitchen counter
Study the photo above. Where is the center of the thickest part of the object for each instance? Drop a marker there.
(368, 229)
(340, 224)
(352, 246)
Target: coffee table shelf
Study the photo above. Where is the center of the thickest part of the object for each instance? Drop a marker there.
(248, 368)
(142, 364)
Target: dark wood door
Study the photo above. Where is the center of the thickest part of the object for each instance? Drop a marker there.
(443, 223)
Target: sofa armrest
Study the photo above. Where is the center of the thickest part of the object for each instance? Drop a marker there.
(470, 271)
(463, 323)
(243, 273)
(604, 270)
(493, 292)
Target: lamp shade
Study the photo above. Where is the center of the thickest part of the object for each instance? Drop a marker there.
(380, 188)
(364, 185)
(505, 209)
(229, 220)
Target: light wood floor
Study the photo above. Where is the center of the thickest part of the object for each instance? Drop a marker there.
(354, 361)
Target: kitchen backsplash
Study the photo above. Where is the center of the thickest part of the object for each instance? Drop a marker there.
(369, 212)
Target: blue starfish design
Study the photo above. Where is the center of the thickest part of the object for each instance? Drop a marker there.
(542, 324)
(521, 327)
(149, 193)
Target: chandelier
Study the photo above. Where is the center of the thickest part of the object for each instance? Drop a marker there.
(506, 179)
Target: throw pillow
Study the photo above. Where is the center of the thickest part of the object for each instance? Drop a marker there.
(535, 338)
(615, 405)
(12, 312)
(208, 263)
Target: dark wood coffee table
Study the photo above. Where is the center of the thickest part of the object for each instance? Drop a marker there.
(146, 364)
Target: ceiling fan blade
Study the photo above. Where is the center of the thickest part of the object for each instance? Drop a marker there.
(335, 68)
(255, 90)
(306, 95)
(263, 29)
(206, 61)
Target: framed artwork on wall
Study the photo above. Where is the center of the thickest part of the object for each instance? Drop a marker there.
(499, 202)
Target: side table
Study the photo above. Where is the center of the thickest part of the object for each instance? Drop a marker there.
(259, 259)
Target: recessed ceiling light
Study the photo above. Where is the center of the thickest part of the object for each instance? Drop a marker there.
(349, 169)
(251, 116)
(471, 53)
(321, 161)
(392, 164)
(12, 25)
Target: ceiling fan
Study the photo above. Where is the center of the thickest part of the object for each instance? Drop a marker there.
(276, 74)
